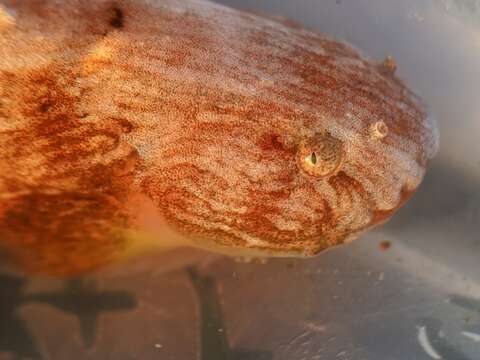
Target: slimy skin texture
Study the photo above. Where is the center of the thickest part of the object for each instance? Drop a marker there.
(132, 125)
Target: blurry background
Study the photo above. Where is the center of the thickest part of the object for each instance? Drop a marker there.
(409, 290)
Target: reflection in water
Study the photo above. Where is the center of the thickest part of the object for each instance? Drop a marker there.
(82, 299)
(14, 336)
(433, 328)
(214, 341)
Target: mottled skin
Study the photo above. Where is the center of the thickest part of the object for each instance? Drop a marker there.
(128, 125)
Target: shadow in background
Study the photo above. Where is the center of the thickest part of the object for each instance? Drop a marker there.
(214, 340)
(14, 335)
(82, 299)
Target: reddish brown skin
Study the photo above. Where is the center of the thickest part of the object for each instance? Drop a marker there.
(49, 224)
(111, 101)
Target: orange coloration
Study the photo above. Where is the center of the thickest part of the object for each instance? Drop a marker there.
(187, 120)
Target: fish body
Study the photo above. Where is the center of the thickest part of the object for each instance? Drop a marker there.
(129, 125)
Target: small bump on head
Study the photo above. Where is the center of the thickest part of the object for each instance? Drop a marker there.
(320, 156)
(389, 65)
(378, 130)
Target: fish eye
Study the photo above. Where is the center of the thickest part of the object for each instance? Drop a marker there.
(312, 158)
(321, 155)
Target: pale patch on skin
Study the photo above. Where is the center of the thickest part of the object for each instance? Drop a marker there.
(7, 19)
(98, 55)
(140, 125)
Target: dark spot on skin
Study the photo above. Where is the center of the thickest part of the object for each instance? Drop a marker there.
(117, 21)
(125, 125)
(44, 107)
(271, 142)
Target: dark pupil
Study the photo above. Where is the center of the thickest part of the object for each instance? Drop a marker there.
(314, 158)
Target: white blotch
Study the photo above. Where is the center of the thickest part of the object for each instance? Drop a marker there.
(426, 344)
(211, 225)
(7, 17)
(315, 327)
(472, 336)
(283, 224)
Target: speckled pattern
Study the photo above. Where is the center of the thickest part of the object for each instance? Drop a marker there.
(119, 116)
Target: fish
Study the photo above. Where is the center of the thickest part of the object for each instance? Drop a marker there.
(134, 126)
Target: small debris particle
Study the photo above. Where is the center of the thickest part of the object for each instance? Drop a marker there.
(385, 245)
(158, 346)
